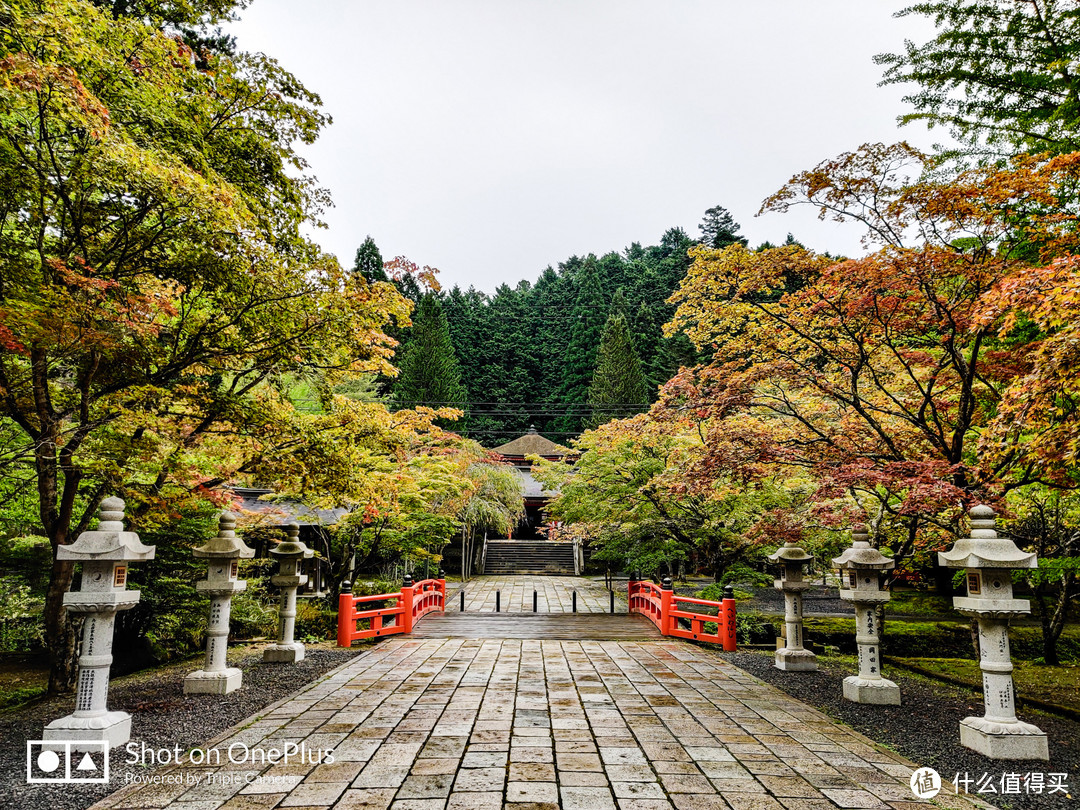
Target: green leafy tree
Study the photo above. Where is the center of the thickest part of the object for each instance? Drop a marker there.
(155, 280)
(1003, 74)
(495, 503)
(429, 368)
(618, 379)
(1048, 523)
(626, 494)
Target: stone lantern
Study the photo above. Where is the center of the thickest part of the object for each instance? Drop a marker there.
(223, 554)
(988, 561)
(860, 582)
(288, 578)
(105, 554)
(793, 656)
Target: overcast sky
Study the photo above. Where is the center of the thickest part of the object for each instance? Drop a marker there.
(492, 138)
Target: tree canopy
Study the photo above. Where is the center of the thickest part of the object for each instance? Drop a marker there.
(155, 283)
(1003, 74)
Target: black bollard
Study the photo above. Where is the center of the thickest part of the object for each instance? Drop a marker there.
(534, 601)
(498, 596)
(462, 600)
(612, 601)
(574, 599)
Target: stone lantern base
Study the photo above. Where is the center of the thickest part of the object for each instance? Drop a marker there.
(222, 682)
(283, 653)
(880, 692)
(795, 660)
(112, 728)
(1017, 740)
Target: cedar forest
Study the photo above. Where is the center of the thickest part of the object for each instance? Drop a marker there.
(167, 329)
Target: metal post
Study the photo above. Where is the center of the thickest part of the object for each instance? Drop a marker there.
(575, 601)
(534, 601)
(498, 596)
(612, 594)
(462, 600)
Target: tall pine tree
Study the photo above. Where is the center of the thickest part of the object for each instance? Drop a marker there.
(586, 326)
(430, 374)
(369, 262)
(618, 380)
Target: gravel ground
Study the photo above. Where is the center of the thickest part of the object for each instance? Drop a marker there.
(925, 728)
(160, 713)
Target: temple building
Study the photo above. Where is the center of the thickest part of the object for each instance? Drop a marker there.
(536, 497)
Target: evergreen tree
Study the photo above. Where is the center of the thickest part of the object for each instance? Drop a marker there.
(618, 379)
(1000, 74)
(719, 229)
(586, 326)
(647, 336)
(619, 304)
(430, 374)
(369, 262)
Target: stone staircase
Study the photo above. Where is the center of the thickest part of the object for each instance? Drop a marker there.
(529, 557)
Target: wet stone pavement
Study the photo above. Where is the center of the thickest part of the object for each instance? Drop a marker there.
(470, 724)
(553, 594)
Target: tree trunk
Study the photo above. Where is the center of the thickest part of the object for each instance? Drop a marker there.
(60, 631)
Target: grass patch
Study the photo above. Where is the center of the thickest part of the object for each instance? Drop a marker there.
(11, 697)
(942, 639)
(917, 603)
(1053, 684)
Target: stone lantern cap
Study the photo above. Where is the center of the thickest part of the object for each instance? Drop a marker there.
(985, 549)
(861, 555)
(226, 544)
(109, 541)
(790, 553)
(292, 547)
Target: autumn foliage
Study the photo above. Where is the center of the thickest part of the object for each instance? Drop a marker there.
(935, 371)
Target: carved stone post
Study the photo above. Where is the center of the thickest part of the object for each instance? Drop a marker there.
(223, 554)
(988, 560)
(289, 555)
(104, 554)
(860, 582)
(793, 656)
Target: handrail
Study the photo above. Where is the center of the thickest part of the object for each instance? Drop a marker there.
(660, 605)
(411, 603)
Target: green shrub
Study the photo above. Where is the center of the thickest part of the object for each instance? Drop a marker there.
(315, 621)
(253, 615)
(753, 627)
(742, 574)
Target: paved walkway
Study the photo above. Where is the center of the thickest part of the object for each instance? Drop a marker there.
(454, 724)
(553, 595)
(577, 717)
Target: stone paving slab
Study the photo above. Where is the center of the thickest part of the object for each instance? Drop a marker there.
(564, 626)
(553, 595)
(473, 724)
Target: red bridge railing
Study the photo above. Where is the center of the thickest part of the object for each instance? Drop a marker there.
(369, 617)
(663, 607)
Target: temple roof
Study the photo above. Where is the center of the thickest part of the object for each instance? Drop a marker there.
(532, 443)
